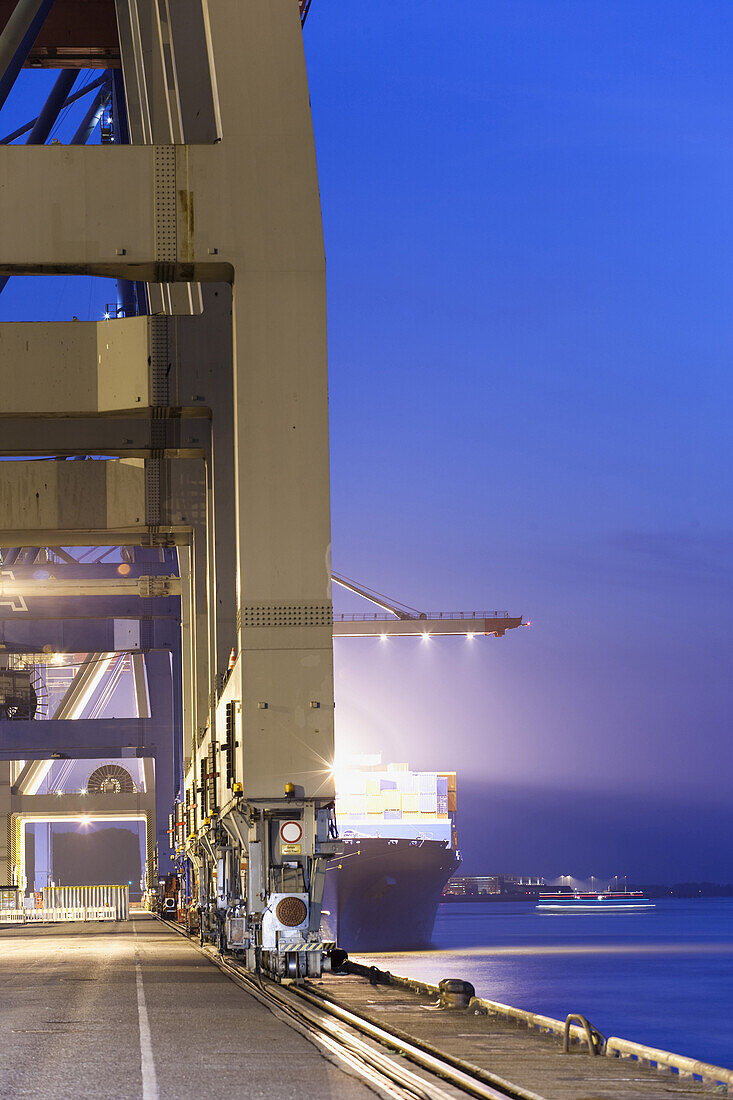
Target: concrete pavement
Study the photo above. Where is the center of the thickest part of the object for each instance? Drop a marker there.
(130, 1010)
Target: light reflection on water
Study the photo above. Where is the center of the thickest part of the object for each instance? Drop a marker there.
(663, 977)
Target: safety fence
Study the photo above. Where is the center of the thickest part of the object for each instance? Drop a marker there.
(58, 914)
(73, 897)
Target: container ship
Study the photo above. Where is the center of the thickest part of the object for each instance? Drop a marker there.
(399, 834)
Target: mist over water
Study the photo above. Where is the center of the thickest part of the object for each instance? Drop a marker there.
(638, 832)
(663, 978)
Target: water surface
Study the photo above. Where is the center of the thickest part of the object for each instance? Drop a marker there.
(664, 978)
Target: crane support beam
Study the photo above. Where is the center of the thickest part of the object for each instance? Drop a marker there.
(90, 503)
(175, 436)
(83, 634)
(91, 119)
(70, 738)
(100, 80)
(52, 108)
(429, 627)
(19, 31)
(48, 806)
(75, 34)
(108, 227)
(31, 774)
(55, 587)
(90, 568)
(100, 367)
(69, 609)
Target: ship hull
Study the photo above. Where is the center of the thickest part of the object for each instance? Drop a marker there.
(383, 894)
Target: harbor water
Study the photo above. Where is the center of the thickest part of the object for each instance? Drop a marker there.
(663, 977)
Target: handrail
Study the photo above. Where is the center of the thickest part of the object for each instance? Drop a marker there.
(361, 617)
(664, 1059)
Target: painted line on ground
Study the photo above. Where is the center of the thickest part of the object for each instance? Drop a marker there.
(147, 1062)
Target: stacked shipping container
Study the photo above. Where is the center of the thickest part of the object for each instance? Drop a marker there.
(369, 795)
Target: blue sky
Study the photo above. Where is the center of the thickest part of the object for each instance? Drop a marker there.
(528, 220)
(529, 233)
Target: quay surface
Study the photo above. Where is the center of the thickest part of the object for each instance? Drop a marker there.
(131, 1009)
(530, 1059)
(135, 1009)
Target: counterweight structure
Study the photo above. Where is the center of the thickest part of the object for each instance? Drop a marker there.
(207, 211)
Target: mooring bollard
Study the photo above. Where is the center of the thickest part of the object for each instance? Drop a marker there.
(455, 993)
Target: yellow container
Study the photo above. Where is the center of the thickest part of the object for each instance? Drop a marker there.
(391, 800)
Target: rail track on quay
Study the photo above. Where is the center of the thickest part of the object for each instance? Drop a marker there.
(487, 1050)
(385, 1058)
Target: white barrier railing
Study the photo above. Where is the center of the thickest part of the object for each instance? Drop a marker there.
(665, 1060)
(70, 897)
(11, 916)
(58, 914)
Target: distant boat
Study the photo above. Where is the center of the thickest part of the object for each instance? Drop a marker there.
(607, 902)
